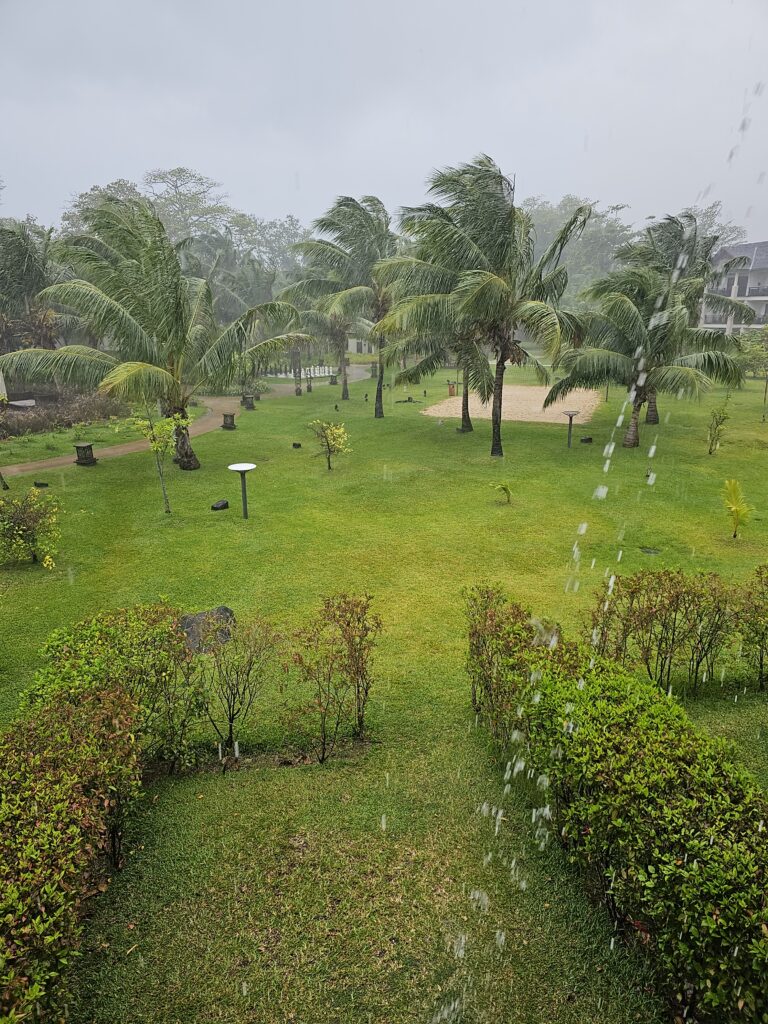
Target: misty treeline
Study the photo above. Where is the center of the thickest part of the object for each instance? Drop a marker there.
(252, 258)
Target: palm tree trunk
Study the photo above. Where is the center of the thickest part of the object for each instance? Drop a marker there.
(632, 436)
(185, 456)
(344, 380)
(3, 483)
(498, 391)
(652, 413)
(378, 410)
(466, 422)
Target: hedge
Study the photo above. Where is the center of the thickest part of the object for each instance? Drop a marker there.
(69, 773)
(671, 833)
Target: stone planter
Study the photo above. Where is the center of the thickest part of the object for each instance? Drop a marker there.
(84, 455)
(229, 421)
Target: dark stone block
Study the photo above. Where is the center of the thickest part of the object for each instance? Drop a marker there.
(297, 444)
(204, 627)
(586, 440)
(217, 506)
(39, 483)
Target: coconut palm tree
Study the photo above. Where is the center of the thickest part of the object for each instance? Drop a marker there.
(681, 256)
(340, 269)
(645, 352)
(332, 332)
(474, 263)
(439, 345)
(163, 340)
(27, 266)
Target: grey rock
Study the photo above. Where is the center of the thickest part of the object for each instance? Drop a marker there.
(200, 626)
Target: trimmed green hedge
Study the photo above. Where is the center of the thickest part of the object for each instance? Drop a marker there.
(673, 835)
(69, 773)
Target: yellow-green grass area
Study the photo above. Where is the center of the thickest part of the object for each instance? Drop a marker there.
(375, 889)
(51, 444)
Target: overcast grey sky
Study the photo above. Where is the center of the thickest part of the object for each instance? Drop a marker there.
(294, 102)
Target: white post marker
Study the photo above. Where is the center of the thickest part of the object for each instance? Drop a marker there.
(242, 468)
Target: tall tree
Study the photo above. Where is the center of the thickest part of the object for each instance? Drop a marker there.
(679, 252)
(645, 350)
(164, 342)
(591, 255)
(474, 262)
(340, 269)
(27, 266)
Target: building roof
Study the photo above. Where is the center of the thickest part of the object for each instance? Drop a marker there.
(755, 252)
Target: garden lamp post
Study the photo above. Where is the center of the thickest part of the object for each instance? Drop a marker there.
(570, 414)
(242, 468)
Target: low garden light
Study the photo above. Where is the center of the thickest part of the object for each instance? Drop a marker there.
(242, 468)
(570, 413)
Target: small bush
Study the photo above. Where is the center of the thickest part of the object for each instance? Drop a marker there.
(357, 628)
(67, 778)
(28, 528)
(234, 671)
(143, 651)
(332, 438)
(68, 411)
(667, 622)
(670, 832)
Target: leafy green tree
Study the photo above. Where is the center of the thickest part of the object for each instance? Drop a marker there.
(161, 434)
(754, 358)
(474, 262)
(340, 269)
(332, 438)
(164, 343)
(74, 220)
(591, 255)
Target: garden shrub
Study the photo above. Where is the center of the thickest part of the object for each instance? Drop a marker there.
(666, 621)
(68, 776)
(332, 654)
(671, 833)
(28, 528)
(70, 410)
(143, 650)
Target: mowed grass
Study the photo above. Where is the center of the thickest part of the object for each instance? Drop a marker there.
(375, 889)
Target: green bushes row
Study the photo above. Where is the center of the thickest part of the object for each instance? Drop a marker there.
(670, 832)
(683, 627)
(116, 694)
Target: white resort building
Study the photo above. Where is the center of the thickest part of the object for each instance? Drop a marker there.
(749, 284)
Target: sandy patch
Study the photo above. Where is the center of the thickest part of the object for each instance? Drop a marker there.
(523, 403)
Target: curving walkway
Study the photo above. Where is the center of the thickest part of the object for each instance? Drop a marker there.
(210, 420)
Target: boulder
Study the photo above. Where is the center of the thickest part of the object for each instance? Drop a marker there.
(210, 625)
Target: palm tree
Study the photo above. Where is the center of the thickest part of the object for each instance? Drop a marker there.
(682, 256)
(442, 345)
(332, 332)
(474, 264)
(340, 269)
(163, 340)
(645, 353)
(27, 266)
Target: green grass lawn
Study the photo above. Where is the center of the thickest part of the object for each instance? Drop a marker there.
(344, 894)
